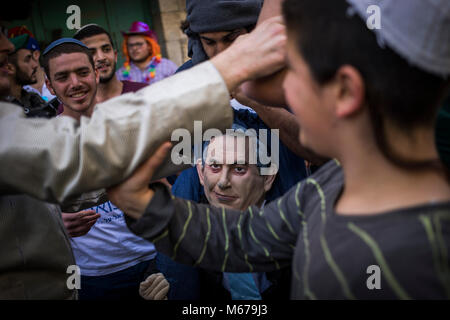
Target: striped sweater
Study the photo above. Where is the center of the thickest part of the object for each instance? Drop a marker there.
(402, 254)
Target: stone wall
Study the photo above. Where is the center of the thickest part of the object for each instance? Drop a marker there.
(174, 42)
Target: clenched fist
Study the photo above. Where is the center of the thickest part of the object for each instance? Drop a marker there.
(155, 287)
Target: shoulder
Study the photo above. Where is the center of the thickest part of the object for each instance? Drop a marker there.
(414, 246)
(34, 95)
(8, 109)
(329, 173)
(166, 67)
(320, 188)
(248, 119)
(119, 73)
(187, 65)
(187, 185)
(168, 62)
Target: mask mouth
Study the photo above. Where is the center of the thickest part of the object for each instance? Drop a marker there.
(224, 198)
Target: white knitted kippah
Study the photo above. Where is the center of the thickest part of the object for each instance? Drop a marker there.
(418, 30)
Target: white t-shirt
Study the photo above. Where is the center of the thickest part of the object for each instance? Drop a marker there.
(110, 246)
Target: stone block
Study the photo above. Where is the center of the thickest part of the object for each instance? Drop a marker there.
(169, 5)
(171, 25)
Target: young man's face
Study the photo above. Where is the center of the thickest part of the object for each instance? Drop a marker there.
(105, 57)
(25, 68)
(308, 101)
(228, 183)
(215, 42)
(5, 48)
(138, 48)
(73, 80)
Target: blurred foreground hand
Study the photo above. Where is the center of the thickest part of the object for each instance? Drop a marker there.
(155, 287)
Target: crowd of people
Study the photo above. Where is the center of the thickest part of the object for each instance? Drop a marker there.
(357, 122)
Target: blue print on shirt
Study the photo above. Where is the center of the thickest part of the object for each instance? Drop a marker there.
(109, 213)
(107, 207)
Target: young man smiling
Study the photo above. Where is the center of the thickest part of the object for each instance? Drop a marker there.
(100, 43)
(71, 76)
(114, 269)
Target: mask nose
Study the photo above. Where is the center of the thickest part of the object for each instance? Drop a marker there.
(224, 181)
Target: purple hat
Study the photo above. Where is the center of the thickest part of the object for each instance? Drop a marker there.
(142, 28)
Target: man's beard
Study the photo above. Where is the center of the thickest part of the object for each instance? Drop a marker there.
(23, 79)
(73, 108)
(5, 86)
(142, 59)
(109, 76)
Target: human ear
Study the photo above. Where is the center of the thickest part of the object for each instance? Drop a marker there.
(11, 69)
(268, 181)
(350, 91)
(49, 86)
(199, 167)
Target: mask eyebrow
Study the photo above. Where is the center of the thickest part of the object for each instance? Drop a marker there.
(212, 161)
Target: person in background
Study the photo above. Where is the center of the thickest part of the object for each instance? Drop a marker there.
(231, 174)
(233, 179)
(142, 52)
(39, 87)
(104, 52)
(23, 69)
(112, 260)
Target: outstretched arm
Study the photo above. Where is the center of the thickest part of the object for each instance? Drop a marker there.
(210, 237)
(57, 159)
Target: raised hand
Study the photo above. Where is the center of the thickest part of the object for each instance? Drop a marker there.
(254, 55)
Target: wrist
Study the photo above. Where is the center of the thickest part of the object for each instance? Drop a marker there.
(136, 206)
(232, 73)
